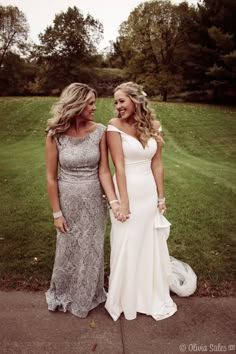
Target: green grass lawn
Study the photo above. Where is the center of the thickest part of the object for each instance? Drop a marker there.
(200, 187)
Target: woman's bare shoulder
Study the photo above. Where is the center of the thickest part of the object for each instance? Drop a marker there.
(114, 121)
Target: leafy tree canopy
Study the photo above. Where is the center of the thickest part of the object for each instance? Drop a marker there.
(13, 31)
(71, 36)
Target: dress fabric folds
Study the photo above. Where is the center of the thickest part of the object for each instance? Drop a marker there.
(78, 274)
(141, 271)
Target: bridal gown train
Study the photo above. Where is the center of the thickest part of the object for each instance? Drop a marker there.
(141, 271)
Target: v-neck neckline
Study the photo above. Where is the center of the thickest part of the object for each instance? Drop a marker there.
(131, 136)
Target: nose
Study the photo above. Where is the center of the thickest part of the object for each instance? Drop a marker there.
(118, 106)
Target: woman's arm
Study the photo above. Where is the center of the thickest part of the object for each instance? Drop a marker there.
(158, 173)
(115, 147)
(105, 176)
(52, 184)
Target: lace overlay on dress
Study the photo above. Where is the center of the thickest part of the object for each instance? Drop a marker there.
(78, 274)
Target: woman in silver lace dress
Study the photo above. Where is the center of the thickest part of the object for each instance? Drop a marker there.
(76, 148)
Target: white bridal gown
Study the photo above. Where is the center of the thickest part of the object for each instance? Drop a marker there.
(141, 271)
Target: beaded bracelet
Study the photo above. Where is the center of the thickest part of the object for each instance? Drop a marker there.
(161, 201)
(57, 214)
(113, 201)
(109, 203)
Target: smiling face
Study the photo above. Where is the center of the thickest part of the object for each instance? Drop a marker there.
(124, 105)
(90, 108)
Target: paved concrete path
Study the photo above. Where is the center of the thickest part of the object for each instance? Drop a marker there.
(200, 325)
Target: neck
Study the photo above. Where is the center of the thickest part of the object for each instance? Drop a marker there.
(81, 124)
(130, 120)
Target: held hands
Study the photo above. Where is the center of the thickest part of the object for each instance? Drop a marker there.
(120, 211)
(123, 213)
(60, 224)
(115, 208)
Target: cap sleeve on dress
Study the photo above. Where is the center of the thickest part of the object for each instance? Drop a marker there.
(100, 130)
(112, 128)
(51, 133)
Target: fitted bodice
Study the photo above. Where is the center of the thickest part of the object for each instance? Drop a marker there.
(137, 158)
(79, 156)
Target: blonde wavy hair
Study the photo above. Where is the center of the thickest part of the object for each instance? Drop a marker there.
(71, 103)
(143, 115)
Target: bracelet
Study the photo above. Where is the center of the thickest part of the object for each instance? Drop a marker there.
(113, 201)
(162, 199)
(57, 214)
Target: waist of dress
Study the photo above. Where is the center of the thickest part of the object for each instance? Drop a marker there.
(140, 167)
(73, 178)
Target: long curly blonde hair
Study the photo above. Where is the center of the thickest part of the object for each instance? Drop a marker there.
(71, 103)
(143, 115)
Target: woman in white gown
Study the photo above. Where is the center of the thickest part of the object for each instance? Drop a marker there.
(141, 270)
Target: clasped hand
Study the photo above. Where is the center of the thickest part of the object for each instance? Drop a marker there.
(120, 212)
(60, 224)
(162, 208)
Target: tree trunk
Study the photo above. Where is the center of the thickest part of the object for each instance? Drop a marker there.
(164, 96)
(216, 94)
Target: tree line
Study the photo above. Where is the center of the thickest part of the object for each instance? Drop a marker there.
(175, 51)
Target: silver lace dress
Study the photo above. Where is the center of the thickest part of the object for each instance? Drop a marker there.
(78, 274)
